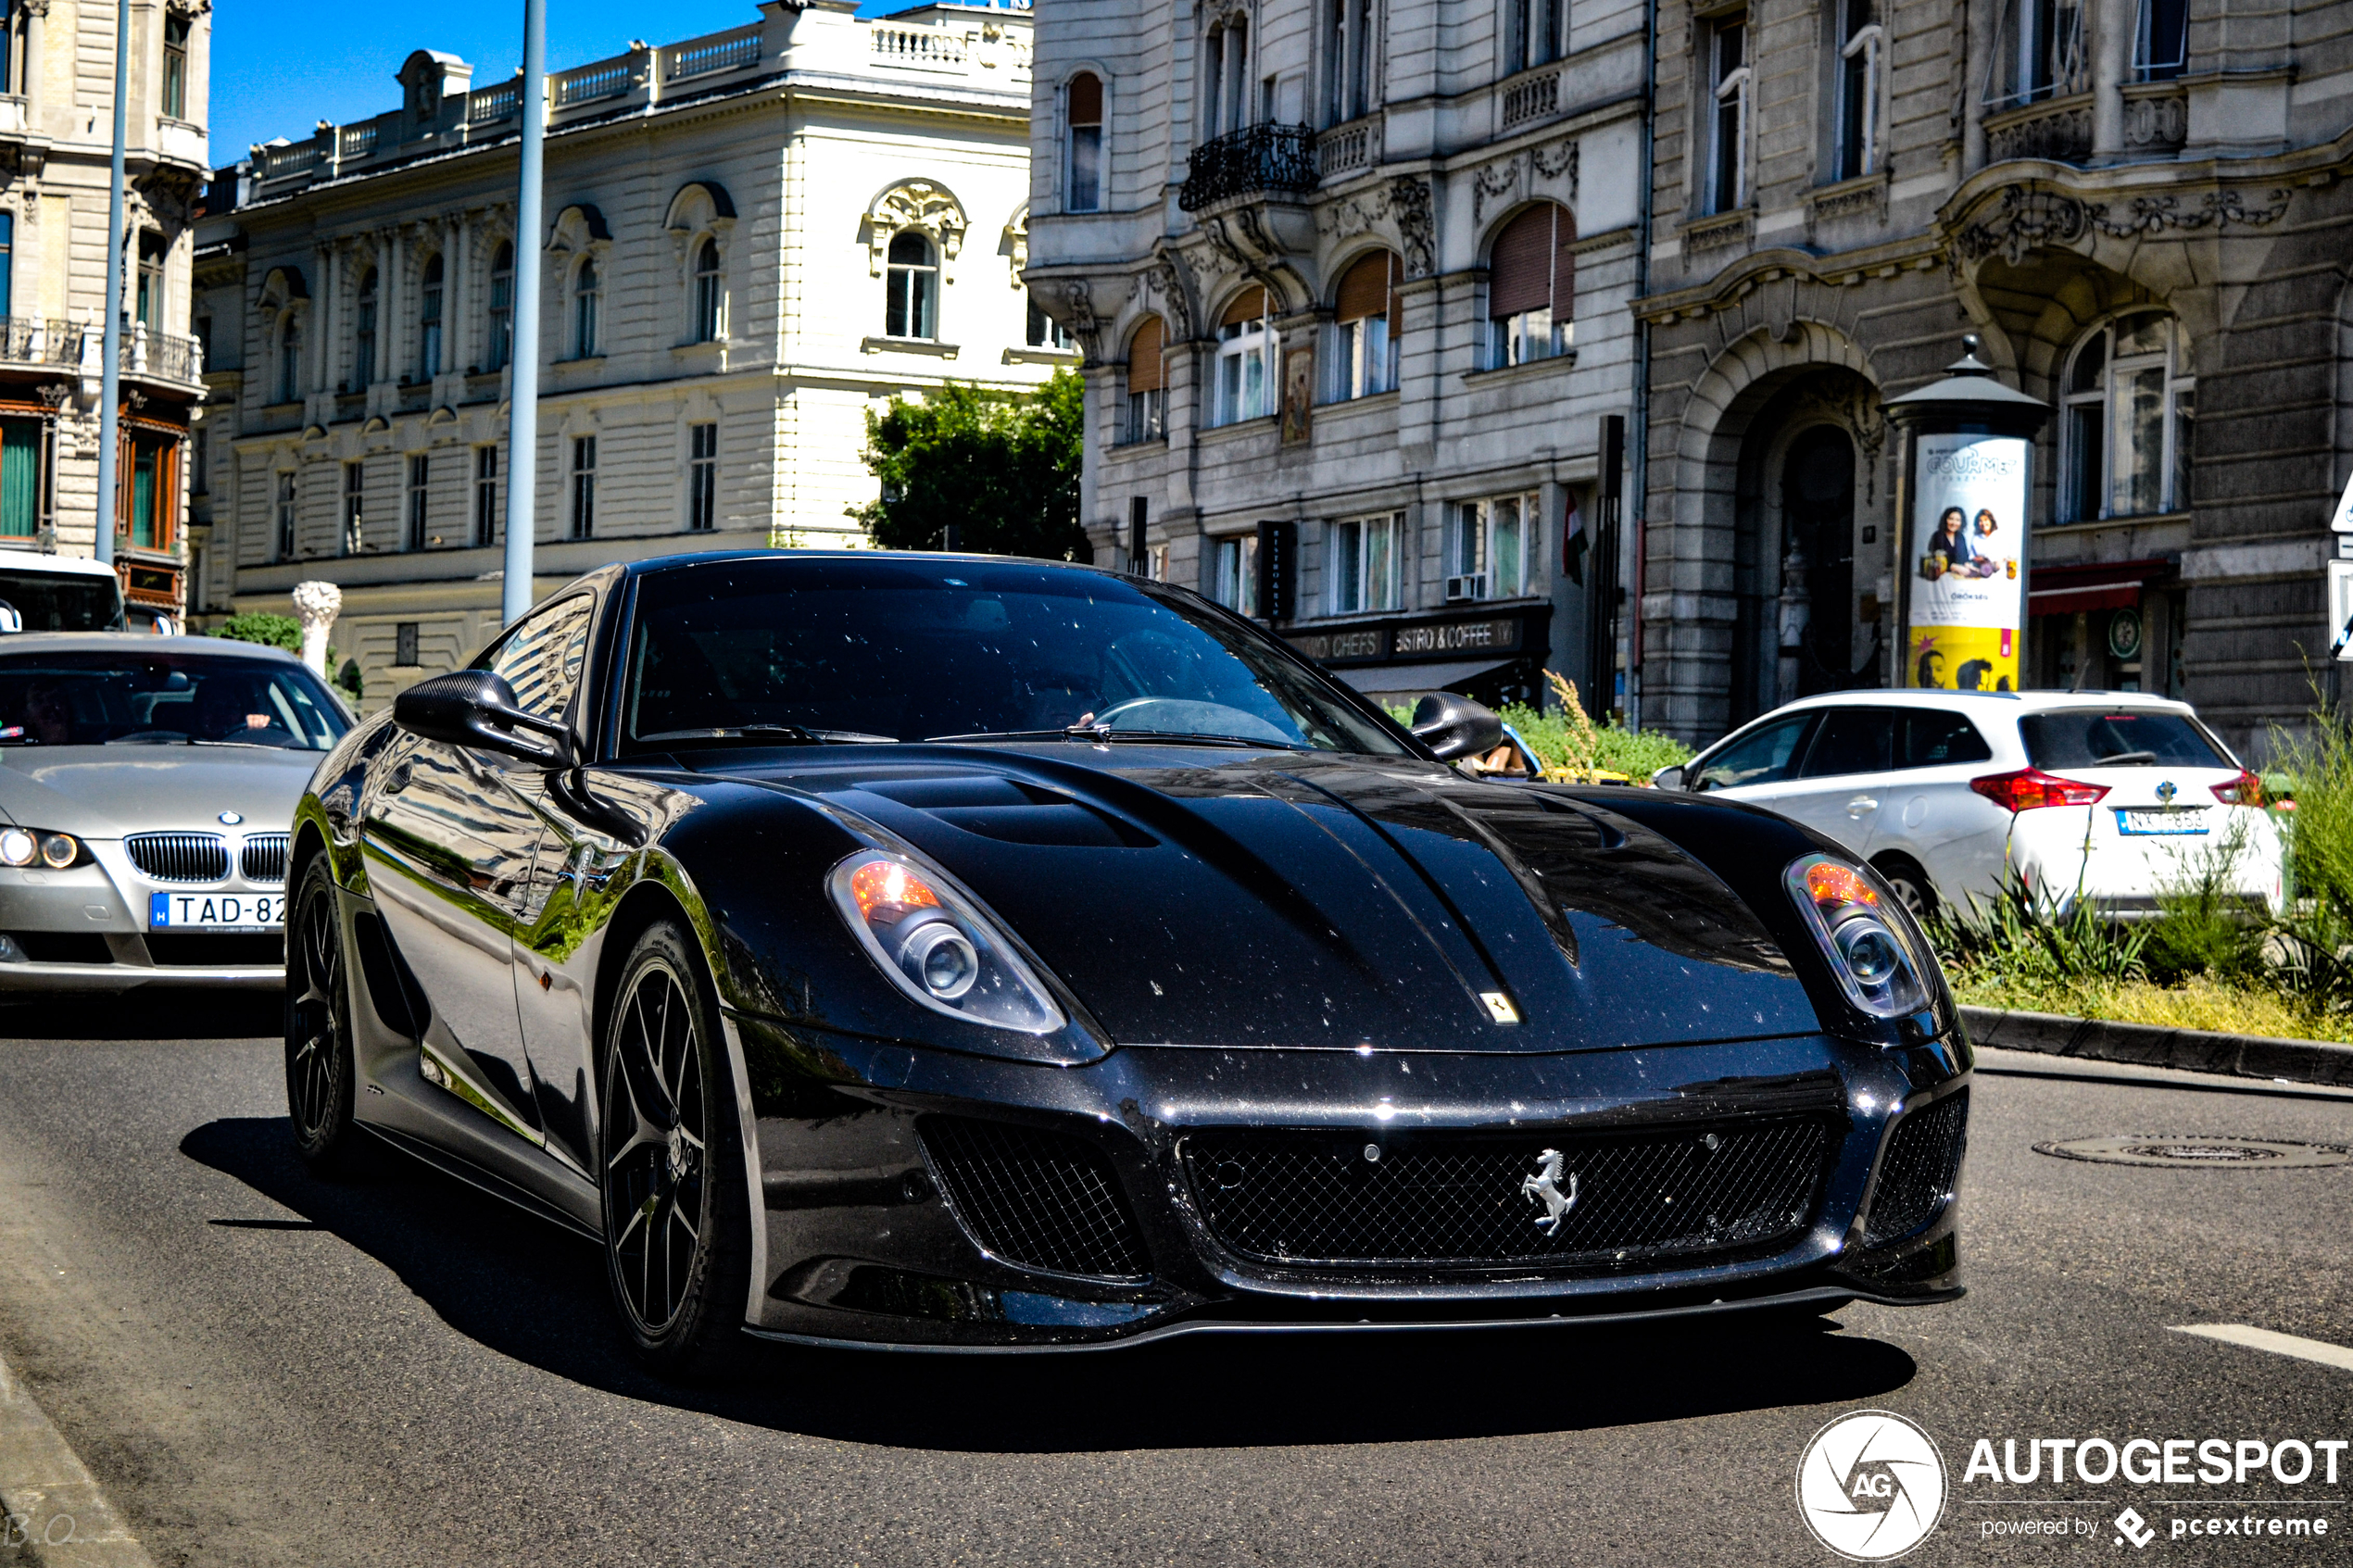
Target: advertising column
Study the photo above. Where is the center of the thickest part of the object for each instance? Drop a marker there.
(1965, 546)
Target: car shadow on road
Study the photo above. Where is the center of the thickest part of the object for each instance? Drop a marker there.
(146, 1016)
(526, 1289)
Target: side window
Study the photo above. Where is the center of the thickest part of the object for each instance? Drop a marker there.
(1854, 740)
(1933, 739)
(542, 658)
(1761, 756)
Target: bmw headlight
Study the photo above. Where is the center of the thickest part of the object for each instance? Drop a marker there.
(1880, 960)
(935, 945)
(31, 847)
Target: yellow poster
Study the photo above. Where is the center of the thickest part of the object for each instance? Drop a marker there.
(1964, 658)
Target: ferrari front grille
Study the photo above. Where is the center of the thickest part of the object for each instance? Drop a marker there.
(178, 857)
(1036, 1199)
(263, 860)
(1460, 1200)
(1918, 1173)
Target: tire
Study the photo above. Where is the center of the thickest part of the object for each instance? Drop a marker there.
(320, 1067)
(1911, 885)
(676, 1219)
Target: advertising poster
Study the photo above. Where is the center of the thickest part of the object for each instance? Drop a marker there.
(1969, 589)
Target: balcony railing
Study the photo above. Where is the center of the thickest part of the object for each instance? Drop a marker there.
(355, 140)
(1254, 159)
(2058, 131)
(1347, 149)
(707, 56)
(1532, 97)
(606, 79)
(158, 355)
(26, 341)
(486, 104)
(918, 46)
(296, 157)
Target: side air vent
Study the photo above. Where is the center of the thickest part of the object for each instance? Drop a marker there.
(1919, 1171)
(1036, 1199)
(1012, 812)
(399, 999)
(178, 857)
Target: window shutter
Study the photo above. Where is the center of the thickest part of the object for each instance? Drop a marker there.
(1248, 306)
(1144, 373)
(1564, 265)
(1364, 288)
(1520, 275)
(1086, 99)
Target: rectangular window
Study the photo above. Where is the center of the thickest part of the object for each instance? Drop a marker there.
(175, 67)
(1367, 565)
(19, 477)
(1045, 332)
(1244, 389)
(1147, 384)
(486, 496)
(149, 308)
(1728, 133)
(2162, 47)
(2038, 52)
(7, 260)
(404, 644)
(583, 486)
(354, 510)
(200, 476)
(1234, 572)
(1492, 551)
(1086, 100)
(420, 470)
(151, 497)
(1858, 47)
(283, 547)
(702, 477)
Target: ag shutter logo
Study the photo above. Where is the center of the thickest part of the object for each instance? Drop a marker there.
(1871, 1486)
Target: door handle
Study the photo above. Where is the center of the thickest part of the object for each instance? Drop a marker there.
(1861, 804)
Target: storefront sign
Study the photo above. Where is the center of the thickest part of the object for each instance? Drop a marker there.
(1356, 642)
(1968, 533)
(1469, 636)
(1417, 640)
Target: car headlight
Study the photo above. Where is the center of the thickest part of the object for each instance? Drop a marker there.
(28, 846)
(1880, 963)
(937, 947)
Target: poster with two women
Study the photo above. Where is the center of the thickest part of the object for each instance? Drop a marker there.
(1969, 592)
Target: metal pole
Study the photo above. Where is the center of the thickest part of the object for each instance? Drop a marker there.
(110, 374)
(523, 419)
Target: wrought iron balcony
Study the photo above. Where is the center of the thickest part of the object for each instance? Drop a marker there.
(31, 342)
(1251, 161)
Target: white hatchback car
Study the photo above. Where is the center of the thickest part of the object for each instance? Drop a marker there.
(2112, 796)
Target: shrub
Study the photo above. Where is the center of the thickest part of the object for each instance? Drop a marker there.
(259, 626)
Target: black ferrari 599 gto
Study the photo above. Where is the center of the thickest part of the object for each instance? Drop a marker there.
(987, 953)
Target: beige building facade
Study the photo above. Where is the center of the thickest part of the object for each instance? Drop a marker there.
(753, 237)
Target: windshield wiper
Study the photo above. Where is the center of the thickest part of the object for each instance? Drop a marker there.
(773, 734)
(2124, 760)
(1104, 736)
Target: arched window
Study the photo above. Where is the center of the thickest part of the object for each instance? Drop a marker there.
(1146, 383)
(1348, 59)
(363, 339)
(911, 308)
(289, 361)
(709, 298)
(1244, 388)
(588, 299)
(2131, 404)
(1531, 287)
(1224, 95)
(502, 308)
(1363, 358)
(1086, 99)
(429, 323)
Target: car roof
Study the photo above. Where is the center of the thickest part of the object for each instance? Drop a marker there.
(58, 566)
(147, 641)
(1989, 704)
(933, 557)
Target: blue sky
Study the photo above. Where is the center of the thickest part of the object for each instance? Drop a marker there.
(278, 67)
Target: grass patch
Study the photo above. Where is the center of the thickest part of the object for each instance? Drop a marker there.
(2200, 1003)
(1564, 740)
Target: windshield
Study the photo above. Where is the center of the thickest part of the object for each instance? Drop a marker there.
(2096, 737)
(125, 699)
(62, 601)
(783, 650)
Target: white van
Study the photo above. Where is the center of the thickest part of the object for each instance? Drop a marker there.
(60, 594)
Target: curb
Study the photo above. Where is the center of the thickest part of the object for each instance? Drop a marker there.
(45, 1493)
(2150, 1045)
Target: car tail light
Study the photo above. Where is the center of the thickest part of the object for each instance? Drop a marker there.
(2245, 790)
(2030, 788)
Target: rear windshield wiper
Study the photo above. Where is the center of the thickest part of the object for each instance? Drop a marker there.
(2124, 760)
(768, 734)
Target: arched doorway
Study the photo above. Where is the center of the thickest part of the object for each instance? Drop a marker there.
(1818, 563)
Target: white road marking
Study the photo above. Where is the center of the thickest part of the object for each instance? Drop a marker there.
(2255, 1339)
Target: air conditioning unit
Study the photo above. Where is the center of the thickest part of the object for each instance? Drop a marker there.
(1473, 587)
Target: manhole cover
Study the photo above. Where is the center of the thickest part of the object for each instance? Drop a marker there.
(2198, 1149)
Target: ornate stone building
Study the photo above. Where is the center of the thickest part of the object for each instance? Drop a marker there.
(752, 236)
(1353, 278)
(2142, 206)
(57, 116)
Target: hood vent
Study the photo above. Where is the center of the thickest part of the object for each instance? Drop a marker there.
(1012, 812)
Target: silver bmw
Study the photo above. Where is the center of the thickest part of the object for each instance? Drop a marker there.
(147, 787)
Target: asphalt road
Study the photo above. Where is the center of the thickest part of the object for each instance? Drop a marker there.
(264, 1370)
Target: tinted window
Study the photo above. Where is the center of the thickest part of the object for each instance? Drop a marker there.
(62, 603)
(907, 650)
(1761, 756)
(1933, 739)
(120, 698)
(543, 659)
(2093, 738)
(1852, 740)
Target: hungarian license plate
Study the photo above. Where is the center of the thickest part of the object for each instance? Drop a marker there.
(2158, 819)
(215, 911)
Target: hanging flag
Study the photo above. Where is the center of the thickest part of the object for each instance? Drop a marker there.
(1573, 542)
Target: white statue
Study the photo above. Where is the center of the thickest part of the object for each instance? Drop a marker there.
(316, 603)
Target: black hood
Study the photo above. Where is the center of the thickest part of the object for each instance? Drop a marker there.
(1311, 899)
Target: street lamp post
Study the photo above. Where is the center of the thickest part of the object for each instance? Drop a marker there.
(110, 374)
(523, 418)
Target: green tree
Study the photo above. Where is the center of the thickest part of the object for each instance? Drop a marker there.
(1000, 468)
(259, 626)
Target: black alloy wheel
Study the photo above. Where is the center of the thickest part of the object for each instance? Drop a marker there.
(677, 1225)
(319, 1069)
(1909, 885)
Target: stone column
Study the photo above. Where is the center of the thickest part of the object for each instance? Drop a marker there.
(36, 14)
(2113, 25)
(316, 605)
(457, 296)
